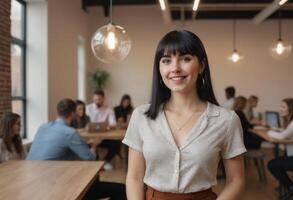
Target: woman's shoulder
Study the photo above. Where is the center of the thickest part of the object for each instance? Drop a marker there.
(141, 110)
(224, 113)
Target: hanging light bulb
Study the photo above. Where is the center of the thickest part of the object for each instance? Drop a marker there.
(235, 57)
(110, 43)
(282, 49)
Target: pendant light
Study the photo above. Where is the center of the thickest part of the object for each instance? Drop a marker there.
(235, 57)
(281, 49)
(110, 43)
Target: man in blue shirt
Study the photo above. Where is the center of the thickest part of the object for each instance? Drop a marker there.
(58, 141)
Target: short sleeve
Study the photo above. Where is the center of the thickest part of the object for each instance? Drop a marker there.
(233, 144)
(132, 137)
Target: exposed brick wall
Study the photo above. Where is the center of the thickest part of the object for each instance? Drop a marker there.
(5, 72)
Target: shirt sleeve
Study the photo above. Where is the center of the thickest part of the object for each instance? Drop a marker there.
(288, 133)
(112, 118)
(233, 144)
(132, 137)
(79, 147)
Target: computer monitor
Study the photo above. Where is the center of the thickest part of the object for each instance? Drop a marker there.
(273, 119)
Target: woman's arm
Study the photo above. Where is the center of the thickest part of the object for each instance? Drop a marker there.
(288, 133)
(235, 179)
(135, 174)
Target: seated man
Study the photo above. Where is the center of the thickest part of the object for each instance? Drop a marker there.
(58, 141)
(99, 112)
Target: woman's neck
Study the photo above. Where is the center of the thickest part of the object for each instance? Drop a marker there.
(181, 102)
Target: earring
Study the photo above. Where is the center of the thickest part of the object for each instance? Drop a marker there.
(202, 79)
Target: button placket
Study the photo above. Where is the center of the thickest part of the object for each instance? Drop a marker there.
(177, 167)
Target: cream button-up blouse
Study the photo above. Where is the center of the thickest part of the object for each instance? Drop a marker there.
(193, 166)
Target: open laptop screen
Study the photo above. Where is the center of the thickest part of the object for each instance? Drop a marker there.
(273, 119)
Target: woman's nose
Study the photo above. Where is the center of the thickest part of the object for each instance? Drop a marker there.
(176, 66)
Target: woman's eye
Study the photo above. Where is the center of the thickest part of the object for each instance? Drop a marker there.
(186, 59)
(166, 61)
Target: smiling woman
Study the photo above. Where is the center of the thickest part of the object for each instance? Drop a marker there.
(176, 142)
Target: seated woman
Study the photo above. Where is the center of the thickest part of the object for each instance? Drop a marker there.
(251, 141)
(10, 141)
(124, 110)
(279, 166)
(81, 119)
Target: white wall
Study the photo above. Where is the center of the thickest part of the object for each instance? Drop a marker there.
(257, 74)
(37, 66)
(67, 23)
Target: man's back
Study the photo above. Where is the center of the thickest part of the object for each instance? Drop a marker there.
(57, 141)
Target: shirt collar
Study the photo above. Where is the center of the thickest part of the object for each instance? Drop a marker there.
(60, 120)
(212, 110)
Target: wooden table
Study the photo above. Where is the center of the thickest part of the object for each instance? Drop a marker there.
(115, 134)
(58, 180)
(263, 133)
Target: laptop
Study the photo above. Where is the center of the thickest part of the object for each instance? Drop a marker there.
(94, 127)
(273, 119)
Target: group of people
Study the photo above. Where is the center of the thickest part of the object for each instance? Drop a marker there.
(244, 109)
(59, 139)
(175, 142)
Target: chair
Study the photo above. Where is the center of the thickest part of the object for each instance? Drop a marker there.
(258, 158)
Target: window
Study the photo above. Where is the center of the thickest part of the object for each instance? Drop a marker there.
(18, 60)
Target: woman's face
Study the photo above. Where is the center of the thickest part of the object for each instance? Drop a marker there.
(80, 110)
(284, 111)
(16, 127)
(125, 103)
(179, 72)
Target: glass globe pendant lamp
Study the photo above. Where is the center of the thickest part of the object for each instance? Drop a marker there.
(281, 49)
(110, 43)
(236, 56)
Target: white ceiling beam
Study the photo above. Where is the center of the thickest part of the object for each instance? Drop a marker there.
(266, 12)
(165, 8)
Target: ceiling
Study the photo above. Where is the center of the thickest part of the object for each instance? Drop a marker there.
(208, 9)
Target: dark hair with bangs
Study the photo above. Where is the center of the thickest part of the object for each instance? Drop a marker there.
(182, 42)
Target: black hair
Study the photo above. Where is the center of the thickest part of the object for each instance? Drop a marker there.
(66, 107)
(230, 92)
(126, 97)
(182, 42)
(79, 102)
(100, 93)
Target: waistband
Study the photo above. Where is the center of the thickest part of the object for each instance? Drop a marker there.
(205, 194)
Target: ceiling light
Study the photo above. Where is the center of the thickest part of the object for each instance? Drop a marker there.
(195, 5)
(110, 43)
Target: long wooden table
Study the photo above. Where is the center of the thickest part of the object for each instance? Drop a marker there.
(115, 134)
(58, 180)
(263, 133)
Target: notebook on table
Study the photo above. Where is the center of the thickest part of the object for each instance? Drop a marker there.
(95, 127)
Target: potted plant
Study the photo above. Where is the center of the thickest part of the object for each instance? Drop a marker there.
(98, 79)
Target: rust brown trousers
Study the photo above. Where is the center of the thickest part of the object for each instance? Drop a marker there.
(152, 194)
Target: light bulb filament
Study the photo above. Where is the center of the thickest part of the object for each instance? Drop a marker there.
(280, 48)
(111, 41)
(235, 57)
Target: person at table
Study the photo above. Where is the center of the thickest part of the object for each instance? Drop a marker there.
(56, 140)
(11, 147)
(279, 166)
(176, 141)
(252, 102)
(124, 110)
(251, 140)
(81, 119)
(99, 112)
(230, 96)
